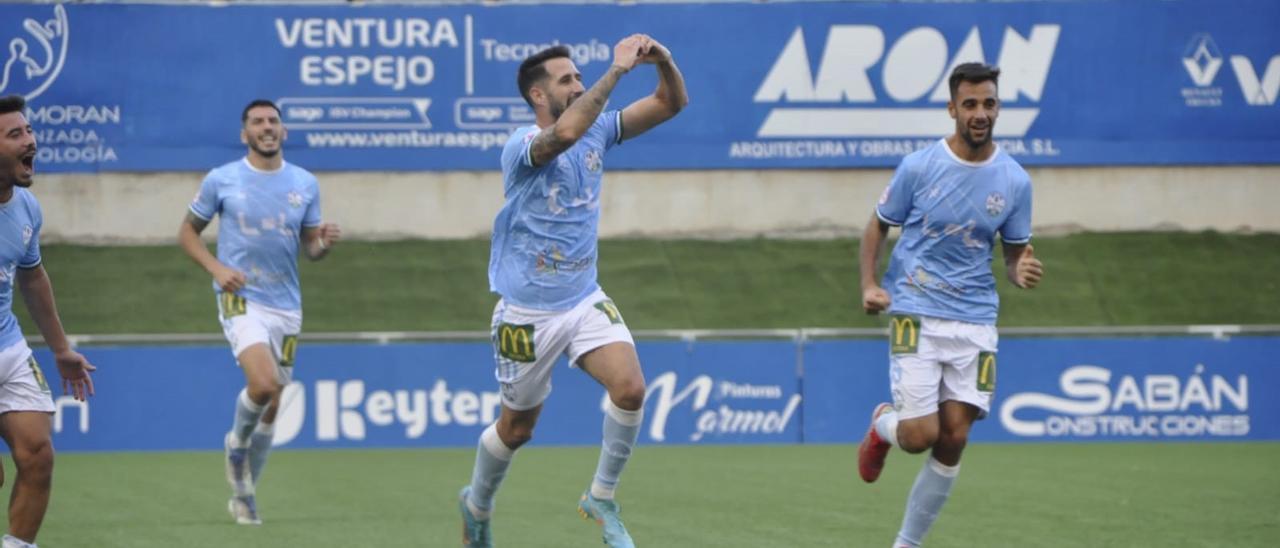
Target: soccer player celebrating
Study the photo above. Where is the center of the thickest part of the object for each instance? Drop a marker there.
(270, 210)
(543, 265)
(951, 199)
(25, 399)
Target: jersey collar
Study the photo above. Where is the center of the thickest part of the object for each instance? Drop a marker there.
(263, 172)
(943, 142)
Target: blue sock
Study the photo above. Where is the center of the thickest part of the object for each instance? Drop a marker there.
(492, 459)
(621, 428)
(259, 446)
(247, 415)
(930, 492)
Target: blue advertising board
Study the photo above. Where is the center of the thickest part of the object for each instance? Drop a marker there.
(706, 392)
(424, 395)
(1130, 389)
(140, 87)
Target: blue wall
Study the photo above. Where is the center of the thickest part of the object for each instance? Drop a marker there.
(443, 394)
(124, 87)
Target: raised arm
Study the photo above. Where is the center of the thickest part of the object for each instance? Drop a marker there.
(577, 119)
(665, 102)
(228, 279)
(874, 298)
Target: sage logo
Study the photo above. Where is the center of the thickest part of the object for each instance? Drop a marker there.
(841, 100)
(1099, 403)
(35, 55)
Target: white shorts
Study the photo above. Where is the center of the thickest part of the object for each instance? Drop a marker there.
(933, 360)
(527, 342)
(247, 323)
(23, 386)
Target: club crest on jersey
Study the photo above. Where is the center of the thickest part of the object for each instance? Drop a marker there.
(295, 199)
(995, 204)
(593, 161)
(26, 234)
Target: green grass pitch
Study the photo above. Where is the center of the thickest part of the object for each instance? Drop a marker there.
(1096, 495)
(1163, 278)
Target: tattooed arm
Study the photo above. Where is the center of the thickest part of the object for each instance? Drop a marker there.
(665, 102)
(577, 119)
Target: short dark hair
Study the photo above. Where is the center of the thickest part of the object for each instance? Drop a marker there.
(974, 73)
(244, 116)
(12, 103)
(532, 70)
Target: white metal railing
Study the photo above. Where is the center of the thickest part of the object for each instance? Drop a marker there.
(1219, 332)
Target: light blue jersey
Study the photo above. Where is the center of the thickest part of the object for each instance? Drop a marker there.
(950, 211)
(20, 221)
(543, 254)
(262, 217)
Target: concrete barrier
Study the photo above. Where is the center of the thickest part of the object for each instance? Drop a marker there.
(147, 207)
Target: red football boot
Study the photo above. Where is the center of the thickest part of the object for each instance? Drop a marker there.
(873, 450)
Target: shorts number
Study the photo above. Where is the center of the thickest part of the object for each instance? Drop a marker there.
(38, 374)
(515, 342)
(288, 350)
(232, 305)
(986, 371)
(904, 334)
(610, 310)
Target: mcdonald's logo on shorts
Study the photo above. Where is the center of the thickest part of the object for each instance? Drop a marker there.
(515, 342)
(610, 310)
(231, 305)
(904, 334)
(288, 350)
(986, 371)
(38, 374)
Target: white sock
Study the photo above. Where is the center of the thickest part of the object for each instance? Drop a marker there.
(887, 427)
(492, 460)
(265, 428)
(259, 447)
(621, 428)
(930, 492)
(246, 419)
(11, 541)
